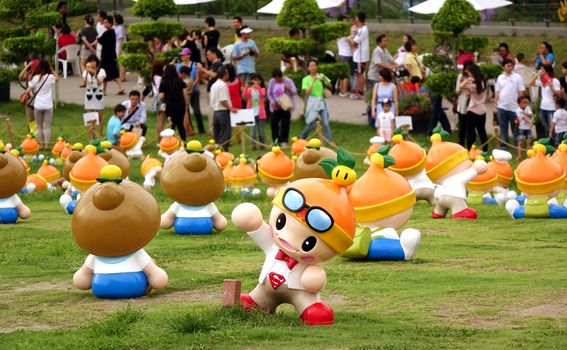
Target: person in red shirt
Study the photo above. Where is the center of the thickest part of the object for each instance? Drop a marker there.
(235, 87)
(65, 38)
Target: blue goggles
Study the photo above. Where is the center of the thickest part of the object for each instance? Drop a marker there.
(317, 218)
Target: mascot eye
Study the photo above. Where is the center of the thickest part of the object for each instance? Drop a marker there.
(309, 244)
(280, 222)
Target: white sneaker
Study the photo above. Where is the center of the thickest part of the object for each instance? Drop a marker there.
(409, 239)
(343, 94)
(500, 198)
(511, 205)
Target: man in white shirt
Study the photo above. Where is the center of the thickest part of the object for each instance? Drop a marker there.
(135, 113)
(381, 58)
(361, 53)
(220, 102)
(345, 55)
(100, 29)
(509, 86)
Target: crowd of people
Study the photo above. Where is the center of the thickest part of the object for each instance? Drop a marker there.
(232, 83)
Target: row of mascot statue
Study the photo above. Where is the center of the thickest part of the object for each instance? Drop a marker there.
(320, 208)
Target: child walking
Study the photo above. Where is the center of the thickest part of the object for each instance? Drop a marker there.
(558, 122)
(255, 94)
(386, 121)
(524, 115)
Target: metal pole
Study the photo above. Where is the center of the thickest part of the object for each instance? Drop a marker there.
(114, 6)
(547, 13)
(411, 13)
(513, 14)
(256, 15)
(226, 12)
(380, 11)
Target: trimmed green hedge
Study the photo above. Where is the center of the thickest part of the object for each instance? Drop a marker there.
(43, 19)
(135, 46)
(21, 48)
(442, 83)
(326, 32)
(159, 29)
(490, 70)
(286, 46)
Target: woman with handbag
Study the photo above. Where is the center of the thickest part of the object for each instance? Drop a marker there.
(25, 77)
(316, 88)
(41, 91)
(280, 95)
(476, 109)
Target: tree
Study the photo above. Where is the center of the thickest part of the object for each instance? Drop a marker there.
(454, 17)
(154, 9)
(300, 14)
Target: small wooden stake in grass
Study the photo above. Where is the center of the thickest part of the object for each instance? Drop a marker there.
(231, 295)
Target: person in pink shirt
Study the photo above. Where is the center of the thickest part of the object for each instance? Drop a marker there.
(255, 94)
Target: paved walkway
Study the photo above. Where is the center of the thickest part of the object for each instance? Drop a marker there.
(341, 109)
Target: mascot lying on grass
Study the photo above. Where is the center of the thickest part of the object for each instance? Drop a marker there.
(12, 180)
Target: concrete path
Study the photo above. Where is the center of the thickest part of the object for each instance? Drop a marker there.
(341, 109)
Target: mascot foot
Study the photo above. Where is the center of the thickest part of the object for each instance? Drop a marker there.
(511, 206)
(437, 216)
(468, 213)
(247, 303)
(317, 314)
(409, 239)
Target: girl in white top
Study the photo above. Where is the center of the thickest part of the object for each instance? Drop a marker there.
(93, 79)
(550, 87)
(41, 88)
(386, 121)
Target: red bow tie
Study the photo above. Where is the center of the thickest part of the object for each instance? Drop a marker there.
(291, 262)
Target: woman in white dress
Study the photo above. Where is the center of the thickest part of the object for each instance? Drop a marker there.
(120, 38)
(93, 79)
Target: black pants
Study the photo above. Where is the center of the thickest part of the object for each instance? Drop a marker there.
(196, 106)
(221, 128)
(462, 129)
(438, 115)
(177, 116)
(144, 129)
(280, 125)
(476, 124)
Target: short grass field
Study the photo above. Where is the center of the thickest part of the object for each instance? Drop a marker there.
(493, 283)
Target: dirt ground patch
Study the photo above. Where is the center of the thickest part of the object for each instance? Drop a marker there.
(543, 310)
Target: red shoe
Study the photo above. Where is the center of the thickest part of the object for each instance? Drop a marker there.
(247, 303)
(468, 213)
(437, 216)
(317, 314)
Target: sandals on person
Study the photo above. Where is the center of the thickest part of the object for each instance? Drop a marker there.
(122, 92)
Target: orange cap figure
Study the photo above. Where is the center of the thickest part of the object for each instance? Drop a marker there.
(448, 165)
(115, 157)
(410, 163)
(87, 169)
(307, 164)
(275, 168)
(16, 154)
(30, 146)
(227, 171)
(375, 143)
(36, 182)
(194, 181)
(117, 266)
(49, 172)
(312, 221)
(169, 143)
(67, 149)
(128, 139)
(383, 202)
(561, 157)
(540, 178)
(298, 145)
(474, 152)
(222, 158)
(243, 174)
(501, 166)
(58, 147)
(150, 169)
(480, 187)
(12, 180)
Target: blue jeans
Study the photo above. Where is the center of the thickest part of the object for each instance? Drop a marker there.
(545, 117)
(258, 129)
(504, 118)
(124, 285)
(324, 113)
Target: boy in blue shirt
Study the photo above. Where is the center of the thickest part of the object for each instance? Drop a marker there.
(115, 124)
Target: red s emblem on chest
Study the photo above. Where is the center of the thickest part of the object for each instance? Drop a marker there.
(276, 279)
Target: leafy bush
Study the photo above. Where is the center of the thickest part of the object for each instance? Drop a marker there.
(455, 16)
(296, 77)
(335, 71)
(136, 62)
(438, 63)
(135, 46)
(154, 9)
(300, 14)
(15, 11)
(442, 83)
(168, 56)
(325, 32)
(9, 75)
(81, 7)
(490, 70)
(11, 32)
(21, 48)
(159, 29)
(286, 46)
(471, 43)
(43, 19)
(412, 104)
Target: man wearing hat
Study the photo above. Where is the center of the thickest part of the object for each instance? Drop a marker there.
(244, 53)
(185, 57)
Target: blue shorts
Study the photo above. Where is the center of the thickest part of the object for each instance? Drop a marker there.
(8, 215)
(555, 212)
(120, 285)
(524, 134)
(385, 249)
(70, 208)
(193, 226)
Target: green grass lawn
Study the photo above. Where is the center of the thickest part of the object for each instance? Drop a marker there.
(493, 283)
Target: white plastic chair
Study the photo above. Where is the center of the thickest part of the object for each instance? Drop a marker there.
(227, 53)
(72, 52)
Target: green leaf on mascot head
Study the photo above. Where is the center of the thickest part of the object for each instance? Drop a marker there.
(383, 150)
(437, 129)
(544, 141)
(328, 165)
(549, 149)
(388, 161)
(400, 131)
(485, 155)
(98, 144)
(565, 138)
(345, 158)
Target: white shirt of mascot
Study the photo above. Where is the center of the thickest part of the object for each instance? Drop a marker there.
(135, 262)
